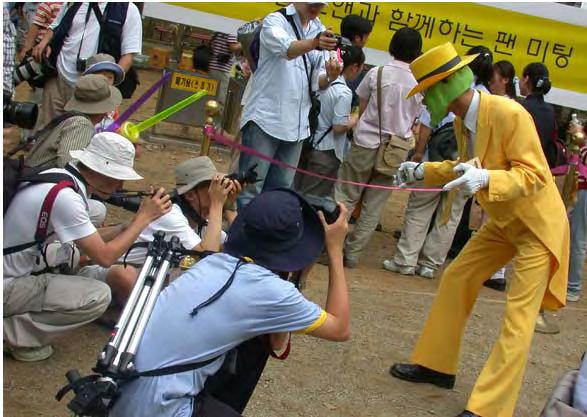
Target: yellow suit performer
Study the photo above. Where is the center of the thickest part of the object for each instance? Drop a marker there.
(528, 223)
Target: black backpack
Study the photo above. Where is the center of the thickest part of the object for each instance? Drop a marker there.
(442, 145)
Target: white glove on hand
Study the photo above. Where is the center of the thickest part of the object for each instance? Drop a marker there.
(471, 179)
(409, 172)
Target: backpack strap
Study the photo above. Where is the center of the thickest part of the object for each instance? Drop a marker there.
(319, 141)
(175, 369)
(62, 181)
(50, 126)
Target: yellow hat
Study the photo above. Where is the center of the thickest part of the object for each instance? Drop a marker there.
(436, 64)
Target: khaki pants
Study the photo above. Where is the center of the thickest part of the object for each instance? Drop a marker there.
(496, 390)
(417, 246)
(56, 94)
(358, 167)
(38, 308)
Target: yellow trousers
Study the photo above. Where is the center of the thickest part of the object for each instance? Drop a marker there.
(497, 388)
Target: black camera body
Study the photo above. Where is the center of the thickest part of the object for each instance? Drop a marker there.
(19, 113)
(35, 73)
(326, 205)
(81, 65)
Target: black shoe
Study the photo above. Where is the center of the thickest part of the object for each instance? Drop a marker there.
(468, 414)
(417, 373)
(495, 284)
(379, 228)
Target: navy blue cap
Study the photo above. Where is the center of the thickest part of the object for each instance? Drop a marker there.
(278, 230)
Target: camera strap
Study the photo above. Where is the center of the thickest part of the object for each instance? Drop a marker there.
(81, 43)
(291, 21)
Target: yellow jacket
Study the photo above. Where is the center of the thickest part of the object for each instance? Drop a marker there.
(520, 183)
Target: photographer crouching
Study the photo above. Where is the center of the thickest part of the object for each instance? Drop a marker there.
(54, 205)
(195, 218)
(229, 298)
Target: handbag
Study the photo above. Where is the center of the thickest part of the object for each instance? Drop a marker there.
(392, 151)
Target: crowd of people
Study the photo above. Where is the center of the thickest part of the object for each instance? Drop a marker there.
(427, 118)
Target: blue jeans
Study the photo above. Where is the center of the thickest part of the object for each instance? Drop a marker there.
(272, 176)
(578, 225)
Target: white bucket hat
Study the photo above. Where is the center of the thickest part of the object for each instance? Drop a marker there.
(109, 154)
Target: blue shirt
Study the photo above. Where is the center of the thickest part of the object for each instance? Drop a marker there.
(335, 110)
(279, 101)
(258, 302)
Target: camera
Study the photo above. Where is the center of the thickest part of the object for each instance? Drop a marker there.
(32, 71)
(81, 65)
(326, 205)
(20, 114)
(131, 200)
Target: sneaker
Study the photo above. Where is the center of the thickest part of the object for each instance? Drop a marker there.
(425, 272)
(573, 297)
(350, 263)
(544, 327)
(26, 354)
(390, 265)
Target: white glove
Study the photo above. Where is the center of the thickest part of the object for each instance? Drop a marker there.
(409, 172)
(471, 179)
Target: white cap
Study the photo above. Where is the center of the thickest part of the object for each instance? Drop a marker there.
(109, 154)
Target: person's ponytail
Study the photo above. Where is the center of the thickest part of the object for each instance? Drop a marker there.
(537, 73)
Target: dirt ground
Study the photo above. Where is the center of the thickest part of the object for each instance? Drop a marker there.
(329, 379)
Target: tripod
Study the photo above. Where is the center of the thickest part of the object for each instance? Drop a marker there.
(95, 394)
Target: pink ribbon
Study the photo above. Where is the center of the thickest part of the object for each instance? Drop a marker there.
(210, 132)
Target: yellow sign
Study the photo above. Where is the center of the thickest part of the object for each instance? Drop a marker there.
(512, 36)
(193, 84)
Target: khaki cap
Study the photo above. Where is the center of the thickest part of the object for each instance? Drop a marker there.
(192, 172)
(93, 95)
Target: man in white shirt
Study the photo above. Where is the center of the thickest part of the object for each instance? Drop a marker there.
(195, 218)
(39, 307)
(75, 36)
(275, 116)
(330, 144)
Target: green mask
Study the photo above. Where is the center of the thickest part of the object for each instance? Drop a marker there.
(440, 95)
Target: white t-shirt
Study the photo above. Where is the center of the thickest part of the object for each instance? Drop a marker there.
(131, 42)
(69, 221)
(173, 223)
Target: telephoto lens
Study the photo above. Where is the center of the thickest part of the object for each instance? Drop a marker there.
(20, 114)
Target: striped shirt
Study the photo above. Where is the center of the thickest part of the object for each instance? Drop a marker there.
(44, 16)
(52, 148)
(222, 58)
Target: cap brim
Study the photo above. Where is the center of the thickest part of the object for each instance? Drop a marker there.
(107, 66)
(304, 252)
(185, 188)
(98, 107)
(428, 82)
(104, 167)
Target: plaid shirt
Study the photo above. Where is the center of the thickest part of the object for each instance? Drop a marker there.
(9, 51)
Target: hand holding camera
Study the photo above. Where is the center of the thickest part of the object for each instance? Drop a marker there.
(155, 206)
(327, 40)
(220, 188)
(41, 50)
(335, 232)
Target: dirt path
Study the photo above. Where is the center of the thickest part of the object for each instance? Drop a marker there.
(327, 379)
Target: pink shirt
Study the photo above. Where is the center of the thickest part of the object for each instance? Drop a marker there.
(398, 113)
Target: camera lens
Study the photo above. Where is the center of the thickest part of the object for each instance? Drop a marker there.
(21, 114)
